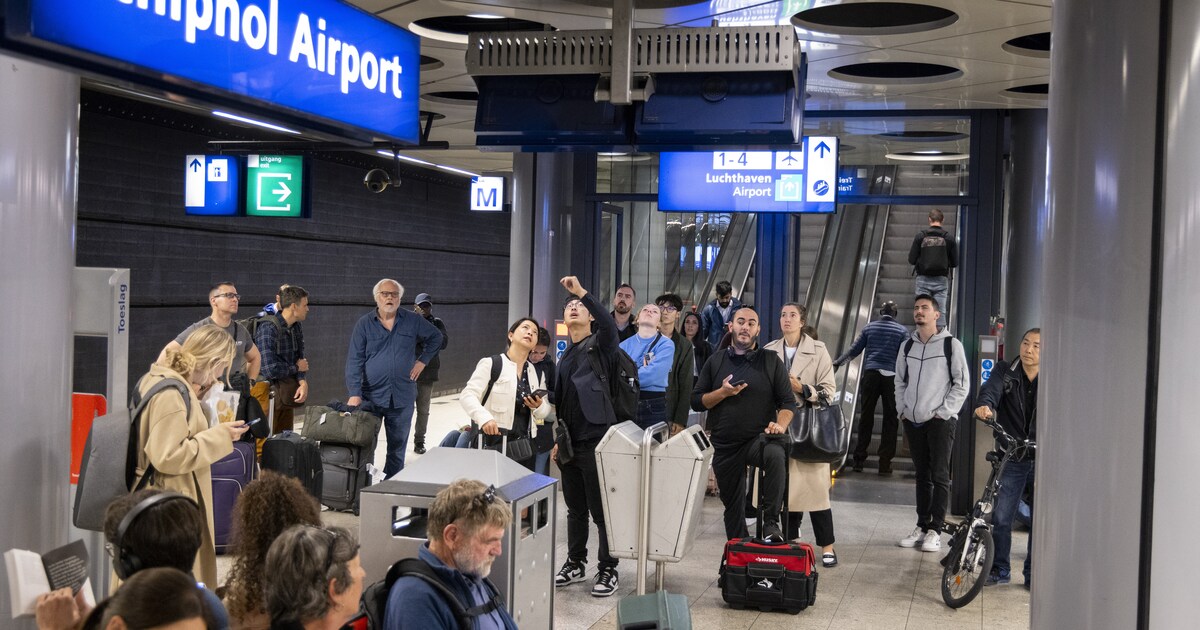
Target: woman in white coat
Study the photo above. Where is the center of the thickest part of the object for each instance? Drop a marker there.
(513, 402)
(811, 372)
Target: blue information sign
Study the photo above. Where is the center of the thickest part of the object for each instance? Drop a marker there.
(317, 59)
(211, 185)
(801, 180)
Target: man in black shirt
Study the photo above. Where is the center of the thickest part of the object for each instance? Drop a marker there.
(749, 399)
(584, 405)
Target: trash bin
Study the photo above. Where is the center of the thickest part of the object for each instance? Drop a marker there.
(678, 478)
(393, 521)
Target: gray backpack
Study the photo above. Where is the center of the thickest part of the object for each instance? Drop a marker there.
(109, 465)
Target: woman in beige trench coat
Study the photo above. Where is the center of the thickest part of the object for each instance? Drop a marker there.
(180, 445)
(811, 372)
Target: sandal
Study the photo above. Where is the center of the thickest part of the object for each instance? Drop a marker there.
(829, 560)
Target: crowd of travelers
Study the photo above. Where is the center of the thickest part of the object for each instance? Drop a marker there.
(701, 365)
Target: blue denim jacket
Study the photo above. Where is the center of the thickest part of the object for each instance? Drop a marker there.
(380, 360)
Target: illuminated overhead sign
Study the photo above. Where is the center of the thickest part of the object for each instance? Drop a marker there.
(319, 60)
(487, 194)
(274, 186)
(211, 185)
(802, 180)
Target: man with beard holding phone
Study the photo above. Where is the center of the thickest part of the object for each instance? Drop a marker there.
(749, 401)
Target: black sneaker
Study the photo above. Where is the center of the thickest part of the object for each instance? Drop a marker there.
(419, 448)
(606, 583)
(771, 533)
(570, 573)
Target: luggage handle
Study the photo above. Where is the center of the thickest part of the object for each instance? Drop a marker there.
(503, 441)
(762, 477)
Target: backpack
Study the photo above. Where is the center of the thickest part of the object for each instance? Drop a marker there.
(109, 466)
(375, 596)
(933, 258)
(253, 322)
(947, 350)
(621, 379)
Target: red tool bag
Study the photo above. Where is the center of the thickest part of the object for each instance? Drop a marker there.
(766, 576)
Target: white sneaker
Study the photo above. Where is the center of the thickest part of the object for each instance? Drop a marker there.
(932, 542)
(911, 540)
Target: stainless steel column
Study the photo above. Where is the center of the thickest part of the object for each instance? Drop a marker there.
(1173, 601)
(1025, 228)
(39, 123)
(1096, 303)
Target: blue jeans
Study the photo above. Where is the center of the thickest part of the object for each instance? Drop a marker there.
(397, 422)
(541, 463)
(651, 411)
(936, 286)
(1017, 476)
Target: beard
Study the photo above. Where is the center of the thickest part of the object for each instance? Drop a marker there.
(475, 565)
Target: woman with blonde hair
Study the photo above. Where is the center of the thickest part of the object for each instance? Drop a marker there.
(810, 371)
(176, 446)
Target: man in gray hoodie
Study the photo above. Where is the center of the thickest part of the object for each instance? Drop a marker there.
(931, 386)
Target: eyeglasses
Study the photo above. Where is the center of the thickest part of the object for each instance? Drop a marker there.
(485, 498)
(667, 308)
(573, 304)
(388, 294)
(231, 296)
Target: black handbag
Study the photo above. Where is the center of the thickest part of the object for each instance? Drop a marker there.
(562, 438)
(818, 434)
(517, 449)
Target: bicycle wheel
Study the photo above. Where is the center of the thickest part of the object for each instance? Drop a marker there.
(970, 562)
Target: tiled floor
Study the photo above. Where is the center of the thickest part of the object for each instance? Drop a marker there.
(877, 585)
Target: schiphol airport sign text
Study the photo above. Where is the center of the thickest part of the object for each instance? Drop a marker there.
(321, 59)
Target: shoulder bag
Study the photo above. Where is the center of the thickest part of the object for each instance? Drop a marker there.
(819, 433)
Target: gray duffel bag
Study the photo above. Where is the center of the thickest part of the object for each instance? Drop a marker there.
(325, 424)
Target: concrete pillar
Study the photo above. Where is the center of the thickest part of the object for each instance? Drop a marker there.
(1100, 307)
(1025, 228)
(39, 124)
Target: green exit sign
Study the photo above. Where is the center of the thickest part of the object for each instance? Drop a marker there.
(274, 185)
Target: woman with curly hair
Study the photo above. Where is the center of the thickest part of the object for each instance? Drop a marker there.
(267, 507)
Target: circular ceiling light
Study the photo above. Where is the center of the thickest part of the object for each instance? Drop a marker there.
(1035, 45)
(456, 28)
(463, 98)
(1033, 90)
(895, 72)
(923, 136)
(874, 18)
(609, 156)
(641, 4)
(927, 156)
(430, 63)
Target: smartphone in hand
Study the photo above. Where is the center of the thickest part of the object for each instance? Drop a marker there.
(539, 393)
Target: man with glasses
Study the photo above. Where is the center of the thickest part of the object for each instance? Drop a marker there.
(382, 365)
(224, 299)
(466, 526)
(682, 376)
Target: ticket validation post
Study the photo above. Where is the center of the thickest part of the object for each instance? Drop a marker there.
(989, 353)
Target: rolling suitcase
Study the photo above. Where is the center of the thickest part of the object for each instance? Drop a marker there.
(290, 454)
(230, 475)
(345, 474)
(756, 574)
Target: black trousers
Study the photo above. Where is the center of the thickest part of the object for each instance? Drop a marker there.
(729, 465)
(822, 525)
(930, 444)
(581, 493)
(875, 386)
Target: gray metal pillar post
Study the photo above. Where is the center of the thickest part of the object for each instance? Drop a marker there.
(39, 123)
(1101, 311)
(1025, 231)
(550, 229)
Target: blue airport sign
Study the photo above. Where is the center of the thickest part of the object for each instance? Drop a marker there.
(211, 185)
(801, 180)
(320, 60)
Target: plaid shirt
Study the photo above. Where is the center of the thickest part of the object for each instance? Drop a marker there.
(279, 364)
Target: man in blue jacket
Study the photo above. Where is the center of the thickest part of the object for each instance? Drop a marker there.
(717, 314)
(466, 529)
(1010, 395)
(382, 366)
(881, 339)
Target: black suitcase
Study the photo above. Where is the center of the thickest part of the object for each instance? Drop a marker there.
(345, 474)
(290, 454)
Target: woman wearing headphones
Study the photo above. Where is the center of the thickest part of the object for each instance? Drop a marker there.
(176, 446)
(810, 371)
(509, 403)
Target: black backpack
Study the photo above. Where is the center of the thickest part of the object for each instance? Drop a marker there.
(934, 256)
(271, 319)
(375, 596)
(621, 378)
(947, 350)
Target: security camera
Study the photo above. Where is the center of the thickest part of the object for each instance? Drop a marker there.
(377, 180)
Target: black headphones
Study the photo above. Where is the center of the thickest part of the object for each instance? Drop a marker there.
(125, 560)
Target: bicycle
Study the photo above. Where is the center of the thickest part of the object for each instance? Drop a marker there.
(972, 550)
